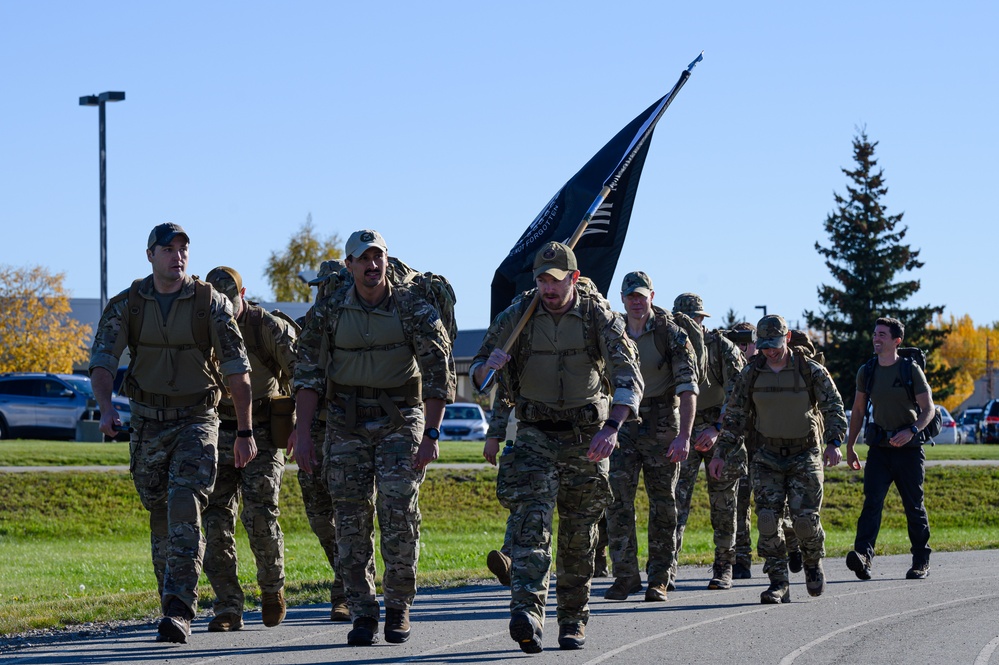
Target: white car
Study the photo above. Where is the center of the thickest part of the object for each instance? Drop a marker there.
(949, 432)
(463, 421)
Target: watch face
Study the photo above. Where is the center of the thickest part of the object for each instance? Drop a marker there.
(433, 433)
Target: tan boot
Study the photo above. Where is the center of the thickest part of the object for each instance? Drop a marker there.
(272, 607)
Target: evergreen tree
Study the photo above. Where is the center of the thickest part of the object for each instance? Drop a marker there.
(866, 257)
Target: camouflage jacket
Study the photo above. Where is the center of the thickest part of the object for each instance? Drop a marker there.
(427, 338)
(166, 362)
(679, 362)
(725, 361)
(500, 417)
(619, 356)
(739, 409)
(279, 342)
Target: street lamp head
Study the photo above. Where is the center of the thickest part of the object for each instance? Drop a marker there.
(111, 96)
(89, 100)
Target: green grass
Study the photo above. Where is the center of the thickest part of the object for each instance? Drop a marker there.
(32, 452)
(59, 531)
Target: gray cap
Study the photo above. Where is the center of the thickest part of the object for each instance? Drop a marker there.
(689, 304)
(360, 241)
(637, 282)
(555, 259)
(164, 234)
(771, 329)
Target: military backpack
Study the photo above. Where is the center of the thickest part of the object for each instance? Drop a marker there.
(909, 355)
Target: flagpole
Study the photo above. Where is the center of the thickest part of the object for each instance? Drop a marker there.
(605, 191)
(529, 312)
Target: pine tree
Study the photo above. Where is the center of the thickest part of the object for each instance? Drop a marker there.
(866, 256)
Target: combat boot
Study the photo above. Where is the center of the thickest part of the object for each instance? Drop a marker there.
(175, 626)
(396, 625)
(623, 587)
(272, 608)
(225, 622)
(339, 610)
(656, 592)
(364, 633)
(859, 564)
(815, 579)
(795, 562)
(778, 592)
(499, 565)
(742, 570)
(722, 576)
(571, 636)
(526, 631)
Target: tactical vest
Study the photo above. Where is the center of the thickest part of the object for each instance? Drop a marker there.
(784, 403)
(172, 363)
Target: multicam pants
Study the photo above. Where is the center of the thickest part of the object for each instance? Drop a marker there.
(319, 509)
(173, 467)
(744, 521)
(549, 470)
(375, 454)
(259, 485)
(721, 498)
(644, 453)
(794, 481)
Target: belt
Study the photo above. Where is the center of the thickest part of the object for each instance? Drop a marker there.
(786, 447)
(552, 425)
(175, 413)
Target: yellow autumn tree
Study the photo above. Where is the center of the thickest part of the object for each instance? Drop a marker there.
(306, 250)
(964, 349)
(37, 333)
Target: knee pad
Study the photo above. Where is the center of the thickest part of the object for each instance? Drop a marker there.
(806, 525)
(766, 522)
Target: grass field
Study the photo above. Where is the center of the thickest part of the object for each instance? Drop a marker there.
(32, 452)
(75, 546)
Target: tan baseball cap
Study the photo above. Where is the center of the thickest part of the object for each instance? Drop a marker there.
(555, 259)
(360, 241)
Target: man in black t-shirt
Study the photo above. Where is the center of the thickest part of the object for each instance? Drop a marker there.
(896, 452)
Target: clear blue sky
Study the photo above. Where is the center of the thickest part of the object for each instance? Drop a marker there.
(449, 125)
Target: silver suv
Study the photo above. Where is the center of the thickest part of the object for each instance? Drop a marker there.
(49, 405)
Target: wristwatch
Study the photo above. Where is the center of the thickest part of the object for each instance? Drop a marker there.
(432, 433)
(914, 429)
(244, 433)
(613, 424)
(836, 442)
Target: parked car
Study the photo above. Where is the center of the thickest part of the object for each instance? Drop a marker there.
(989, 426)
(949, 431)
(463, 421)
(969, 421)
(49, 405)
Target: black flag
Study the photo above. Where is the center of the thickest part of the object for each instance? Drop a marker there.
(618, 165)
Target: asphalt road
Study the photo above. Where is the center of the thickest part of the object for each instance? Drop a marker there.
(951, 617)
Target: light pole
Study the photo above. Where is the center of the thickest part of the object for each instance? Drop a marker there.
(99, 101)
(763, 307)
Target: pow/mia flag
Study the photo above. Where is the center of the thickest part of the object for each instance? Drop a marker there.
(617, 165)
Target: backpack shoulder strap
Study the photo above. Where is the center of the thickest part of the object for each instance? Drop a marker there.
(905, 371)
(136, 308)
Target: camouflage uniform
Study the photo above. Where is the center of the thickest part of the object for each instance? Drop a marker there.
(725, 361)
(259, 482)
(549, 467)
(788, 469)
(173, 392)
(365, 447)
(642, 448)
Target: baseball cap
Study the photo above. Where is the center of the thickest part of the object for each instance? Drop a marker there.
(771, 329)
(226, 281)
(164, 234)
(689, 304)
(327, 268)
(555, 259)
(637, 282)
(360, 241)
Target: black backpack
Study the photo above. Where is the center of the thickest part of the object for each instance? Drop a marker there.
(909, 355)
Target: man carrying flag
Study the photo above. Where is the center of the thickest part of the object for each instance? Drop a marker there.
(571, 348)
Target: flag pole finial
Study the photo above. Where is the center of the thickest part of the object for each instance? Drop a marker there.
(700, 56)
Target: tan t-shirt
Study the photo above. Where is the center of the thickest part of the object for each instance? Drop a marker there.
(893, 409)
